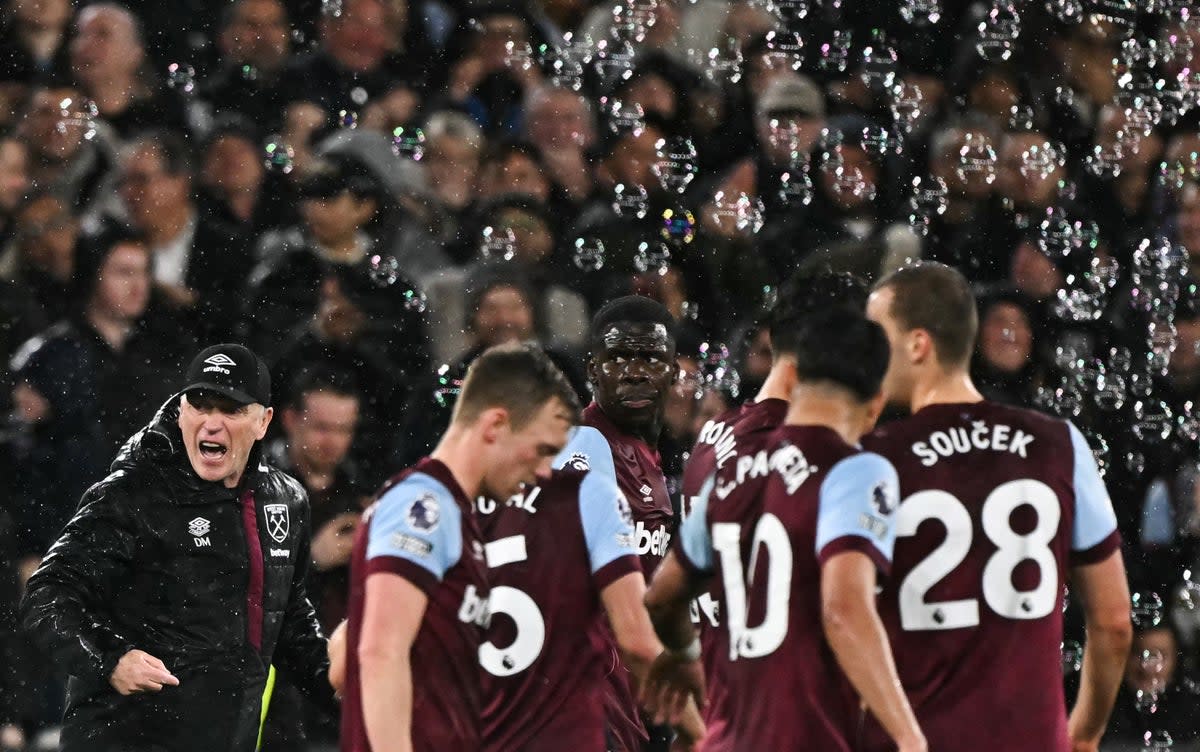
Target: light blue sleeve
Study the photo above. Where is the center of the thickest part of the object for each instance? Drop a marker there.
(859, 498)
(419, 521)
(607, 520)
(694, 537)
(1095, 519)
(587, 451)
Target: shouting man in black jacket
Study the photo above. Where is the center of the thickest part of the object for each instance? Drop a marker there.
(178, 587)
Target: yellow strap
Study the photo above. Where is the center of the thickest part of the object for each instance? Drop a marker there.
(266, 703)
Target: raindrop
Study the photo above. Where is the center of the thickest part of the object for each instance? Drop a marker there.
(929, 199)
(624, 116)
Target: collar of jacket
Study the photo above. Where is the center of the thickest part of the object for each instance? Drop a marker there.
(159, 446)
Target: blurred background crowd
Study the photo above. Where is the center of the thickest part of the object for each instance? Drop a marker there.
(371, 192)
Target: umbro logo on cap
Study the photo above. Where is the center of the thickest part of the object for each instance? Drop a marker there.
(232, 370)
(218, 363)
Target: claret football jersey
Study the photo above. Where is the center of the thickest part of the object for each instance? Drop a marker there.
(551, 551)
(422, 528)
(764, 527)
(998, 503)
(740, 432)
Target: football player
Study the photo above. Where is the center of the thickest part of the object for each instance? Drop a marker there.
(1001, 508)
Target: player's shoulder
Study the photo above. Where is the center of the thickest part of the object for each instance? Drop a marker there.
(586, 448)
(419, 499)
(969, 415)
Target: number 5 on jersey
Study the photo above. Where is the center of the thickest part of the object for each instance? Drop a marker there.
(518, 606)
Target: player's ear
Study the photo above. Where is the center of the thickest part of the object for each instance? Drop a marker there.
(267, 414)
(920, 346)
(872, 409)
(492, 422)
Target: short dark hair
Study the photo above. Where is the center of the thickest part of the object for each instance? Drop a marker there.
(843, 348)
(520, 378)
(321, 378)
(806, 294)
(174, 150)
(94, 248)
(637, 309)
(938, 299)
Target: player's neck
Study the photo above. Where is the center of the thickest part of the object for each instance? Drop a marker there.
(460, 453)
(814, 407)
(779, 382)
(943, 388)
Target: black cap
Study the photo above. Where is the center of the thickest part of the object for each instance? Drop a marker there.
(233, 371)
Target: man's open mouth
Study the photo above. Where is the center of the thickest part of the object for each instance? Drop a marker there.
(212, 450)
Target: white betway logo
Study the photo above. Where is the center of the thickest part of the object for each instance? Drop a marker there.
(651, 542)
(474, 609)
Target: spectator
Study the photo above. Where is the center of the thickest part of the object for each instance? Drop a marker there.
(254, 44)
(319, 426)
(962, 155)
(452, 154)
(63, 158)
(14, 181)
(84, 384)
(500, 307)
(34, 34)
(41, 257)
(359, 60)
(199, 263)
(1005, 367)
(1153, 698)
(340, 206)
(533, 252)
(509, 167)
(108, 61)
(559, 121)
(235, 189)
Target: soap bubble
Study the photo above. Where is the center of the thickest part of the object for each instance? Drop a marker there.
(835, 54)
(623, 116)
(181, 77)
(78, 113)
(921, 12)
(347, 119)
(633, 19)
(614, 61)
(1072, 657)
(675, 164)
(588, 254)
(652, 256)
(783, 51)
(408, 142)
(498, 243)
(383, 270)
(716, 368)
(976, 156)
(678, 226)
(630, 201)
(279, 157)
(879, 65)
(929, 199)
(998, 32)
(448, 387)
(415, 301)
(1146, 610)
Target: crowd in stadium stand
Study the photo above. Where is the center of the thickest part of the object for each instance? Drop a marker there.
(369, 193)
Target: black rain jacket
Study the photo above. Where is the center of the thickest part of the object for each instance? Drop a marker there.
(208, 579)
